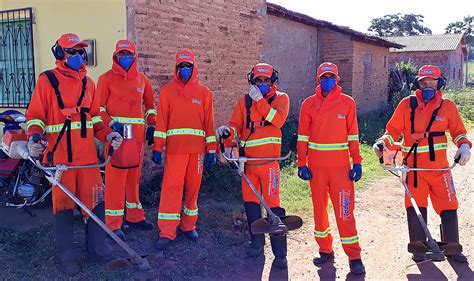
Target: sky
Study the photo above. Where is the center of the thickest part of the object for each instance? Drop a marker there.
(357, 13)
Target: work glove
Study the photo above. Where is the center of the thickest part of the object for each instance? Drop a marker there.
(116, 126)
(156, 157)
(255, 93)
(223, 132)
(115, 140)
(376, 148)
(356, 172)
(304, 173)
(149, 136)
(209, 160)
(463, 154)
(36, 145)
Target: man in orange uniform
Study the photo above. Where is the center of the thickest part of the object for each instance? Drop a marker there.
(257, 121)
(423, 119)
(185, 125)
(123, 91)
(65, 107)
(327, 136)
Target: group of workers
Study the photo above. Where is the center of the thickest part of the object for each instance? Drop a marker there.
(67, 111)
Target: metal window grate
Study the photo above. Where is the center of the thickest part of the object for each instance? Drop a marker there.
(17, 67)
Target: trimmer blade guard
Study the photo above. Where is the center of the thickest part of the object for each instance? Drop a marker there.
(142, 264)
(288, 223)
(421, 247)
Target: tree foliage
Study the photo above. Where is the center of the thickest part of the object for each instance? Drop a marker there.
(399, 25)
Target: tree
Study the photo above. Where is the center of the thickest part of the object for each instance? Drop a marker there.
(399, 25)
(465, 26)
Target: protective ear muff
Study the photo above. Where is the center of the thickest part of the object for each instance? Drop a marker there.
(58, 51)
(441, 82)
(250, 78)
(416, 84)
(275, 76)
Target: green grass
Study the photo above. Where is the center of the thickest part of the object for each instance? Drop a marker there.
(464, 99)
(471, 71)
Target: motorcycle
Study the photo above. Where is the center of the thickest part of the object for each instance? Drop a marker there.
(22, 184)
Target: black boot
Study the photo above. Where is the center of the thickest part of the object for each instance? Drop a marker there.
(279, 243)
(254, 212)
(143, 225)
(357, 267)
(98, 250)
(415, 230)
(64, 230)
(323, 258)
(450, 233)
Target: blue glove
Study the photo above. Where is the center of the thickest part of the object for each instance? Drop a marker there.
(117, 127)
(150, 131)
(356, 172)
(209, 161)
(304, 173)
(156, 157)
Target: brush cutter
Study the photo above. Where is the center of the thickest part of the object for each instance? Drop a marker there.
(273, 224)
(392, 161)
(53, 175)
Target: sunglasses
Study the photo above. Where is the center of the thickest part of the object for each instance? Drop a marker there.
(73, 51)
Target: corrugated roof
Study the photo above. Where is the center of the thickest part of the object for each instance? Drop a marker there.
(279, 11)
(438, 42)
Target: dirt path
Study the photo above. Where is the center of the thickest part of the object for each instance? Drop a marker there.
(382, 227)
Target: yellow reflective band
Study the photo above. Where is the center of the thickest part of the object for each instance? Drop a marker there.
(102, 109)
(159, 134)
(271, 115)
(389, 138)
(190, 212)
(186, 131)
(35, 122)
(114, 213)
(264, 141)
(349, 240)
(328, 146)
(211, 139)
(461, 136)
(353, 138)
(96, 119)
(426, 148)
(169, 217)
(129, 120)
(150, 111)
(74, 126)
(303, 138)
(235, 130)
(133, 205)
(322, 234)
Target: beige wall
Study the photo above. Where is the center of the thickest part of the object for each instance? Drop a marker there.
(103, 20)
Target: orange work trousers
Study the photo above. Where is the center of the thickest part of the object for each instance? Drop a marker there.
(438, 185)
(334, 183)
(85, 184)
(182, 174)
(266, 180)
(122, 185)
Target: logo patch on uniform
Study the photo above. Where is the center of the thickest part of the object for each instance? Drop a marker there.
(341, 116)
(196, 101)
(449, 184)
(344, 204)
(274, 182)
(439, 118)
(141, 90)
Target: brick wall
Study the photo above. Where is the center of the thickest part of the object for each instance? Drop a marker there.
(456, 69)
(370, 76)
(292, 48)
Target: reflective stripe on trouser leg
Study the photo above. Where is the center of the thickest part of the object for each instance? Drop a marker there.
(172, 194)
(135, 212)
(192, 184)
(319, 196)
(114, 196)
(341, 191)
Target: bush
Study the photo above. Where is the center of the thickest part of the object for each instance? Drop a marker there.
(464, 99)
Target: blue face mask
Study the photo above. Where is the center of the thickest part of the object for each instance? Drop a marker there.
(126, 62)
(428, 94)
(328, 84)
(74, 62)
(264, 88)
(185, 73)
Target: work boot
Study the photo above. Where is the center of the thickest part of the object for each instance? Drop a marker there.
(323, 258)
(64, 230)
(98, 249)
(357, 267)
(415, 230)
(143, 225)
(450, 233)
(278, 242)
(120, 234)
(192, 235)
(163, 243)
(253, 212)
